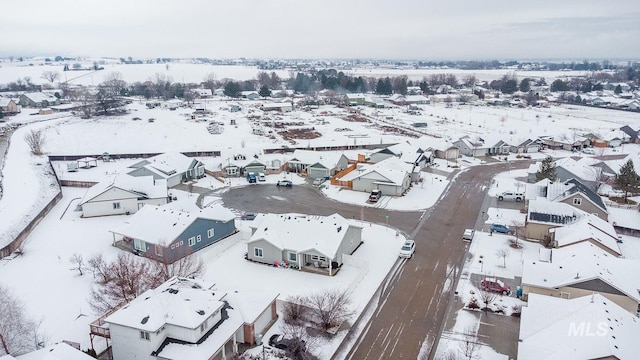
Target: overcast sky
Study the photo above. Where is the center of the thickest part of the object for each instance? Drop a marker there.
(398, 29)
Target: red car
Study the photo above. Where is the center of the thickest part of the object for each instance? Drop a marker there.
(495, 285)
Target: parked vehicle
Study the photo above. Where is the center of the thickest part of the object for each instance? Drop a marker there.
(262, 177)
(589, 151)
(319, 181)
(248, 216)
(286, 183)
(512, 196)
(291, 345)
(495, 285)
(503, 229)
(468, 234)
(408, 248)
(251, 177)
(375, 195)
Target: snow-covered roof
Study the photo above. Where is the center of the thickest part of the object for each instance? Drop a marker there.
(166, 164)
(589, 327)
(430, 142)
(392, 169)
(276, 105)
(559, 191)
(616, 165)
(179, 301)
(588, 227)
(582, 169)
(5, 101)
(328, 159)
(626, 218)
(245, 307)
(581, 263)
(162, 225)
(59, 351)
(144, 186)
(303, 233)
(38, 97)
(549, 212)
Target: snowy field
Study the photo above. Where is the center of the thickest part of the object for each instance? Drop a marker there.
(482, 75)
(59, 295)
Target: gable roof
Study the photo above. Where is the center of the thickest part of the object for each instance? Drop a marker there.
(588, 227)
(575, 186)
(179, 301)
(143, 186)
(303, 233)
(392, 169)
(548, 212)
(629, 131)
(328, 159)
(581, 263)
(167, 164)
(550, 329)
(38, 97)
(59, 351)
(162, 225)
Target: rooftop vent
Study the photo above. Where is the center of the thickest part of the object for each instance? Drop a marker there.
(200, 312)
(144, 320)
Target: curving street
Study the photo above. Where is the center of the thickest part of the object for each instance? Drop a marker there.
(412, 306)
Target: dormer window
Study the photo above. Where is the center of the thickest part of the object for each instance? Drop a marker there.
(577, 201)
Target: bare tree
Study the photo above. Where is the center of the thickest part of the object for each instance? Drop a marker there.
(469, 346)
(294, 309)
(190, 266)
(331, 307)
(209, 82)
(18, 333)
(299, 341)
(503, 253)
(50, 76)
(35, 139)
(518, 228)
(122, 281)
(487, 298)
(78, 262)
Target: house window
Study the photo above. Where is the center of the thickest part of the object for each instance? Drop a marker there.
(203, 326)
(139, 245)
(158, 250)
(293, 257)
(257, 252)
(198, 238)
(565, 295)
(192, 241)
(577, 201)
(210, 233)
(116, 205)
(144, 335)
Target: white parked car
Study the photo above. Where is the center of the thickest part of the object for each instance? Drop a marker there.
(408, 249)
(468, 234)
(511, 196)
(319, 181)
(589, 151)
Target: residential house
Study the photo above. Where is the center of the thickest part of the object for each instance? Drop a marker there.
(250, 95)
(317, 164)
(407, 152)
(527, 146)
(38, 99)
(9, 106)
(581, 270)
(499, 148)
(565, 142)
(168, 235)
(59, 351)
(589, 228)
(188, 319)
(304, 241)
(633, 135)
(471, 147)
(571, 192)
(543, 215)
(354, 99)
(439, 147)
(281, 107)
(123, 195)
(588, 327)
(173, 167)
(202, 93)
(392, 176)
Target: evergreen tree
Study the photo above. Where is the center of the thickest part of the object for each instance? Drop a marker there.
(559, 85)
(618, 89)
(509, 87)
(525, 85)
(388, 88)
(628, 180)
(232, 89)
(264, 91)
(547, 170)
(380, 87)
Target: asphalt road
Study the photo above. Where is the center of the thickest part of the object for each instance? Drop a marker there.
(412, 307)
